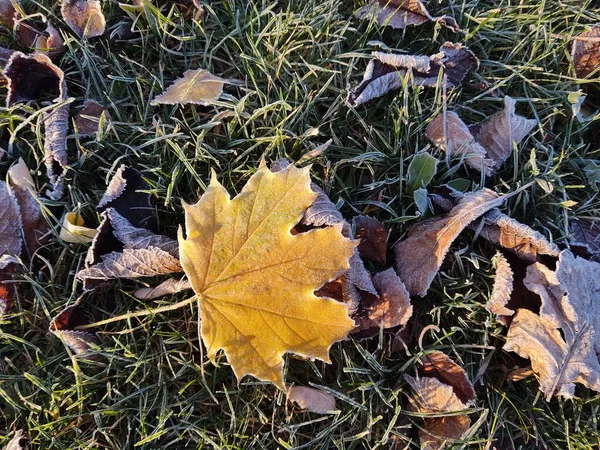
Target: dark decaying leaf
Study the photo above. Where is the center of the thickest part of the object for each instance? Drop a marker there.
(502, 288)
(90, 118)
(420, 256)
(563, 340)
(585, 235)
(125, 193)
(33, 77)
(64, 327)
(7, 289)
(167, 287)
(311, 399)
(389, 308)
(385, 72)
(373, 238)
(586, 53)
(490, 145)
(56, 125)
(402, 13)
(8, 13)
(10, 223)
(84, 17)
(35, 227)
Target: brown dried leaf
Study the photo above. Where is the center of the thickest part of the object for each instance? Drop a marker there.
(89, 119)
(125, 193)
(167, 287)
(586, 53)
(586, 233)
(373, 239)
(49, 41)
(84, 17)
(563, 341)
(311, 399)
(198, 87)
(385, 72)
(420, 256)
(438, 432)
(64, 327)
(402, 13)
(10, 223)
(8, 13)
(7, 289)
(438, 365)
(502, 289)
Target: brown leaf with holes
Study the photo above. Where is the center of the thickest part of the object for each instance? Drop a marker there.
(85, 17)
(373, 239)
(385, 72)
(563, 340)
(419, 257)
(311, 399)
(402, 13)
(586, 53)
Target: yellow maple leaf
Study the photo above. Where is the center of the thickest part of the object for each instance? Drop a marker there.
(255, 280)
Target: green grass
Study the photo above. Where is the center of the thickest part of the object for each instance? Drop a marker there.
(155, 389)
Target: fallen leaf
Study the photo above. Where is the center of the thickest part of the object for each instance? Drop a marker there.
(125, 194)
(198, 87)
(421, 198)
(167, 287)
(73, 231)
(502, 288)
(8, 13)
(84, 17)
(439, 365)
(244, 265)
(64, 327)
(385, 71)
(586, 233)
(91, 118)
(311, 399)
(49, 42)
(373, 239)
(15, 442)
(35, 227)
(562, 342)
(56, 125)
(7, 290)
(402, 13)
(420, 256)
(586, 53)
(10, 223)
(486, 149)
(421, 170)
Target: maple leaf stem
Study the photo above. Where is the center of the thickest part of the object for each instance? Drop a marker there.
(145, 312)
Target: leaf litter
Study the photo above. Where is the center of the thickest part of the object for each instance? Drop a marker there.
(84, 17)
(311, 399)
(198, 87)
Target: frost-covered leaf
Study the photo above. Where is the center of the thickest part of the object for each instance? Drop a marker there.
(586, 233)
(245, 266)
(84, 17)
(7, 289)
(167, 287)
(49, 41)
(385, 71)
(125, 194)
(89, 120)
(373, 238)
(421, 170)
(502, 288)
(563, 341)
(10, 223)
(311, 399)
(421, 198)
(586, 53)
(64, 327)
(402, 13)
(438, 365)
(56, 125)
(420, 256)
(72, 229)
(198, 87)
(8, 13)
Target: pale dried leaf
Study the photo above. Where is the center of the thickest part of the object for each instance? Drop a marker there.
(586, 233)
(433, 396)
(167, 287)
(439, 365)
(385, 72)
(392, 308)
(438, 432)
(586, 53)
(244, 265)
(15, 442)
(402, 13)
(33, 77)
(84, 17)
(125, 193)
(502, 289)
(198, 87)
(373, 239)
(420, 256)
(502, 131)
(311, 399)
(132, 263)
(90, 118)
(562, 342)
(73, 231)
(56, 124)
(10, 223)
(49, 42)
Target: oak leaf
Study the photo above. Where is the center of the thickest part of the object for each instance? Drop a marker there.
(255, 281)
(199, 87)
(402, 13)
(563, 341)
